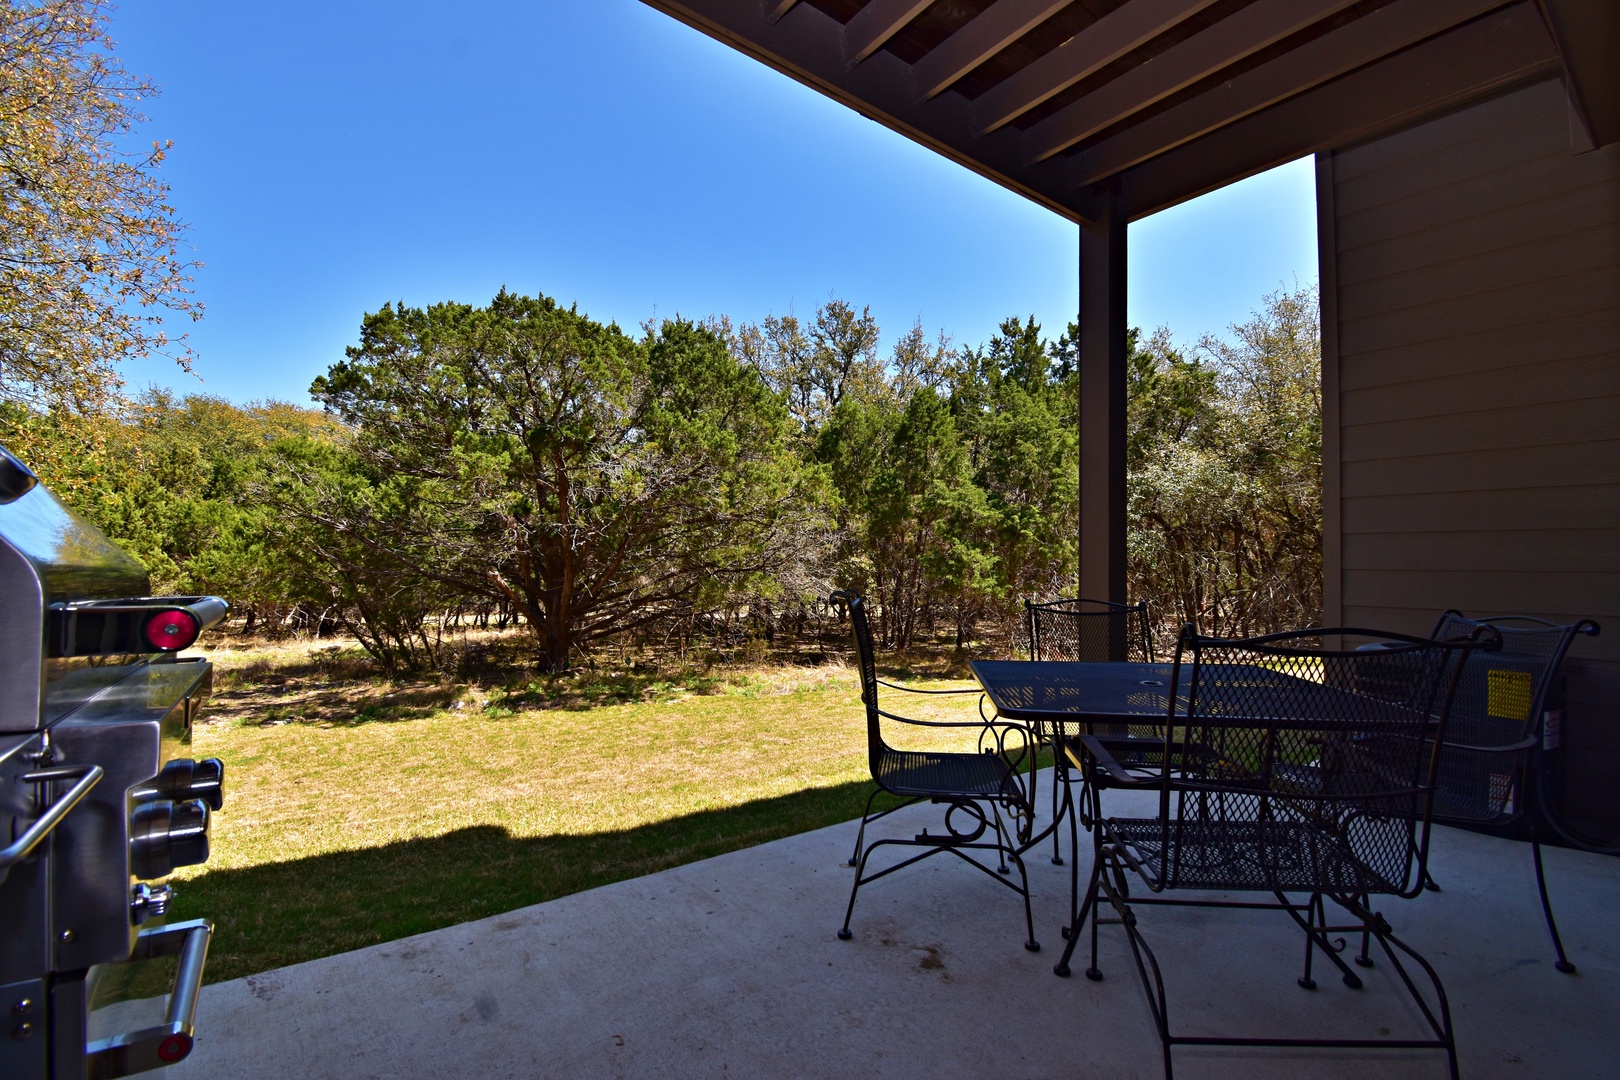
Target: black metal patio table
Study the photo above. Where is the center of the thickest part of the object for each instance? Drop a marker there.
(1064, 699)
(1060, 694)
(1072, 698)
(1280, 768)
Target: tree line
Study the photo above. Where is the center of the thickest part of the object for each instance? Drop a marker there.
(521, 463)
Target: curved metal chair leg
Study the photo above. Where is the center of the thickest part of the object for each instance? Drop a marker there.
(1562, 964)
(1305, 980)
(1364, 959)
(1003, 845)
(1059, 780)
(1061, 968)
(1315, 927)
(860, 834)
(1440, 1024)
(1029, 916)
(1094, 973)
(860, 871)
(1074, 865)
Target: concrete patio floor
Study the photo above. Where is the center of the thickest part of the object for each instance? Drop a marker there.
(730, 968)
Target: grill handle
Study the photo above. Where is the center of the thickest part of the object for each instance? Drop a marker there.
(171, 1041)
(110, 627)
(87, 776)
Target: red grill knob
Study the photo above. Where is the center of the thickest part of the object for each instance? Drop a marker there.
(174, 1048)
(171, 631)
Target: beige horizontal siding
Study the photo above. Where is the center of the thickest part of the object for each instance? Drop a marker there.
(1436, 244)
(1420, 619)
(1396, 154)
(1490, 304)
(1537, 424)
(1483, 393)
(1542, 259)
(1583, 506)
(1470, 590)
(1456, 189)
(1589, 332)
(1477, 292)
(1557, 463)
(1501, 551)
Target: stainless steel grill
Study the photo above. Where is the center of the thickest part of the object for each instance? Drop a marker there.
(97, 797)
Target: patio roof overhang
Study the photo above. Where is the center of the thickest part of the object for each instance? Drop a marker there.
(1077, 103)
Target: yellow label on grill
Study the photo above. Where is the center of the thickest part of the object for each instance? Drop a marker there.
(1507, 694)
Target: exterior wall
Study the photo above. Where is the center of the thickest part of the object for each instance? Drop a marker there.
(1471, 281)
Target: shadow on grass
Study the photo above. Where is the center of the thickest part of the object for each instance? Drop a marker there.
(587, 690)
(342, 706)
(283, 913)
(412, 703)
(344, 665)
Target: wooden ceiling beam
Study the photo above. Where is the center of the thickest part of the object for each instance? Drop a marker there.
(1249, 30)
(807, 45)
(1487, 56)
(775, 9)
(1098, 45)
(1492, 53)
(875, 24)
(987, 34)
(1387, 30)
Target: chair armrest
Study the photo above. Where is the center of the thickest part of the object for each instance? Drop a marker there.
(982, 722)
(933, 723)
(1122, 776)
(1510, 748)
(916, 690)
(1131, 742)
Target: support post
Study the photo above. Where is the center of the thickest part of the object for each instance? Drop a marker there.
(1327, 256)
(1102, 404)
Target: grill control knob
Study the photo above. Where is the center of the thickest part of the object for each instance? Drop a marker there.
(165, 834)
(184, 778)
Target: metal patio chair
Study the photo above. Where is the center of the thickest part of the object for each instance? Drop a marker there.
(1288, 767)
(978, 790)
(1091, 631)
(1088, 630)
(1493, 748)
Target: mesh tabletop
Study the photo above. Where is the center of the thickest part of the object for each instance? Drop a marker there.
(1072, 693)
(1058, 691)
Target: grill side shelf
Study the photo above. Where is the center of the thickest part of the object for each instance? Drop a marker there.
(146, 692)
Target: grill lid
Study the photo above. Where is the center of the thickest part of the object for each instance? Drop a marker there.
(48, 555)
(69, 558)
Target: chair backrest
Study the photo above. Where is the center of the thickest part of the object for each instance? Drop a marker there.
(1286, 750)
(1088, 630)
(866, 661)
(1497, 714)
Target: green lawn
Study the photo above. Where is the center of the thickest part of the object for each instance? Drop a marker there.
(359, 811)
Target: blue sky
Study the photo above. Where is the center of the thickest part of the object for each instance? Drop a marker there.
(332, 157)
